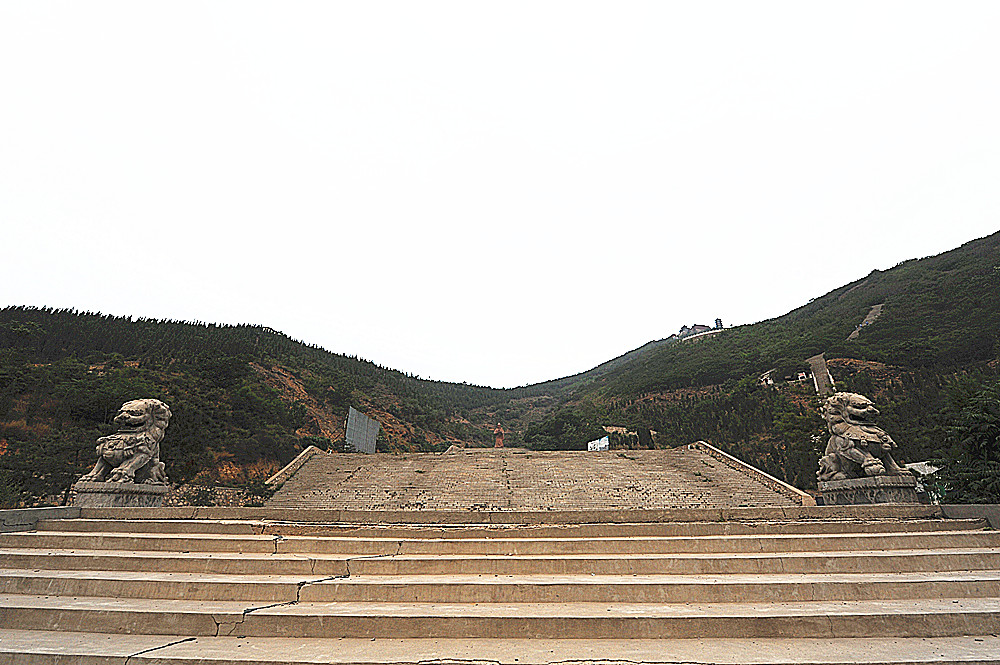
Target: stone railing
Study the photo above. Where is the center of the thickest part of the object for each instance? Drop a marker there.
(293, 466)
(781, 487)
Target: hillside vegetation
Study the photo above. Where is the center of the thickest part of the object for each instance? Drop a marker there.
(940, 312)
(936, 342)
(246, 398)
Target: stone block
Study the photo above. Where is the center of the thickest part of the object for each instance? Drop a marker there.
(987, 511)
(118, 495)
(874, 489)
(25, 519)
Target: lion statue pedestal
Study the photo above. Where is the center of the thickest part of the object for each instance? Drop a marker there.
(118, 495)
(876, 489)
(857, 467)
(128, 473)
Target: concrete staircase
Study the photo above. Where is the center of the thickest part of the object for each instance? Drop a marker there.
(804, 585)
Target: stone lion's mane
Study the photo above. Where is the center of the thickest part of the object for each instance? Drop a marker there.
(153, 431)
(159, 419)
(835, 412)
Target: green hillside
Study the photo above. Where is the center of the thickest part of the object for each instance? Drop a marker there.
(246, 398)
(936, 342)
(942, 311)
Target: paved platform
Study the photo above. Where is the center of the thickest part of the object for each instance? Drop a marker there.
(515, 479)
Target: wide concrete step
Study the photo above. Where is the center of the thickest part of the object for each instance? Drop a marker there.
(938, 617)
(887, 561)
(651, 588)
(323, 565)
(217, 563)
(508, 589)
(207, 527)
(146, 542)
(172, 542)
(53, 648)
(475, 518)
(759, 527)
(179, 586)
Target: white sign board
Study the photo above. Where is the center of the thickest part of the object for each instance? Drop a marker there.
(600, 444)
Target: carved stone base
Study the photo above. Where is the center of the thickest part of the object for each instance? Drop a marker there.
(118, 495)
(875, 489)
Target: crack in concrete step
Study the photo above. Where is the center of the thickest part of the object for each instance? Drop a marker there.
(298, 594)
(150, 650)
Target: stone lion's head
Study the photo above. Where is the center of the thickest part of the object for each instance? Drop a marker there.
(150, 416)
(845, 409)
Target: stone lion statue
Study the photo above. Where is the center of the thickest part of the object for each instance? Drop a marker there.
(132, 454)
(857, 447)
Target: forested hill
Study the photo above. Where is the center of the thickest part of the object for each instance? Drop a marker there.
(246, 398)
(942, 311)
(934, 347)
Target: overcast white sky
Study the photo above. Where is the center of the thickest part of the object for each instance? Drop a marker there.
(499, 193)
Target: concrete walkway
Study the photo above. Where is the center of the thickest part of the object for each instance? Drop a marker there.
(822, 378)
(873, 313)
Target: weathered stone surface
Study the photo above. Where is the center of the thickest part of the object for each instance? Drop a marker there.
(756, 475)
(118, 495)
(987, 511)
(25, 519)
(876, 489)
(516, 480)
(857, 447)
(132, 455)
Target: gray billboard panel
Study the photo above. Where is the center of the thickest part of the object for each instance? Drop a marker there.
(361, 431)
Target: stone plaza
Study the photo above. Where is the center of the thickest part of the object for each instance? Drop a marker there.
(504, 479)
